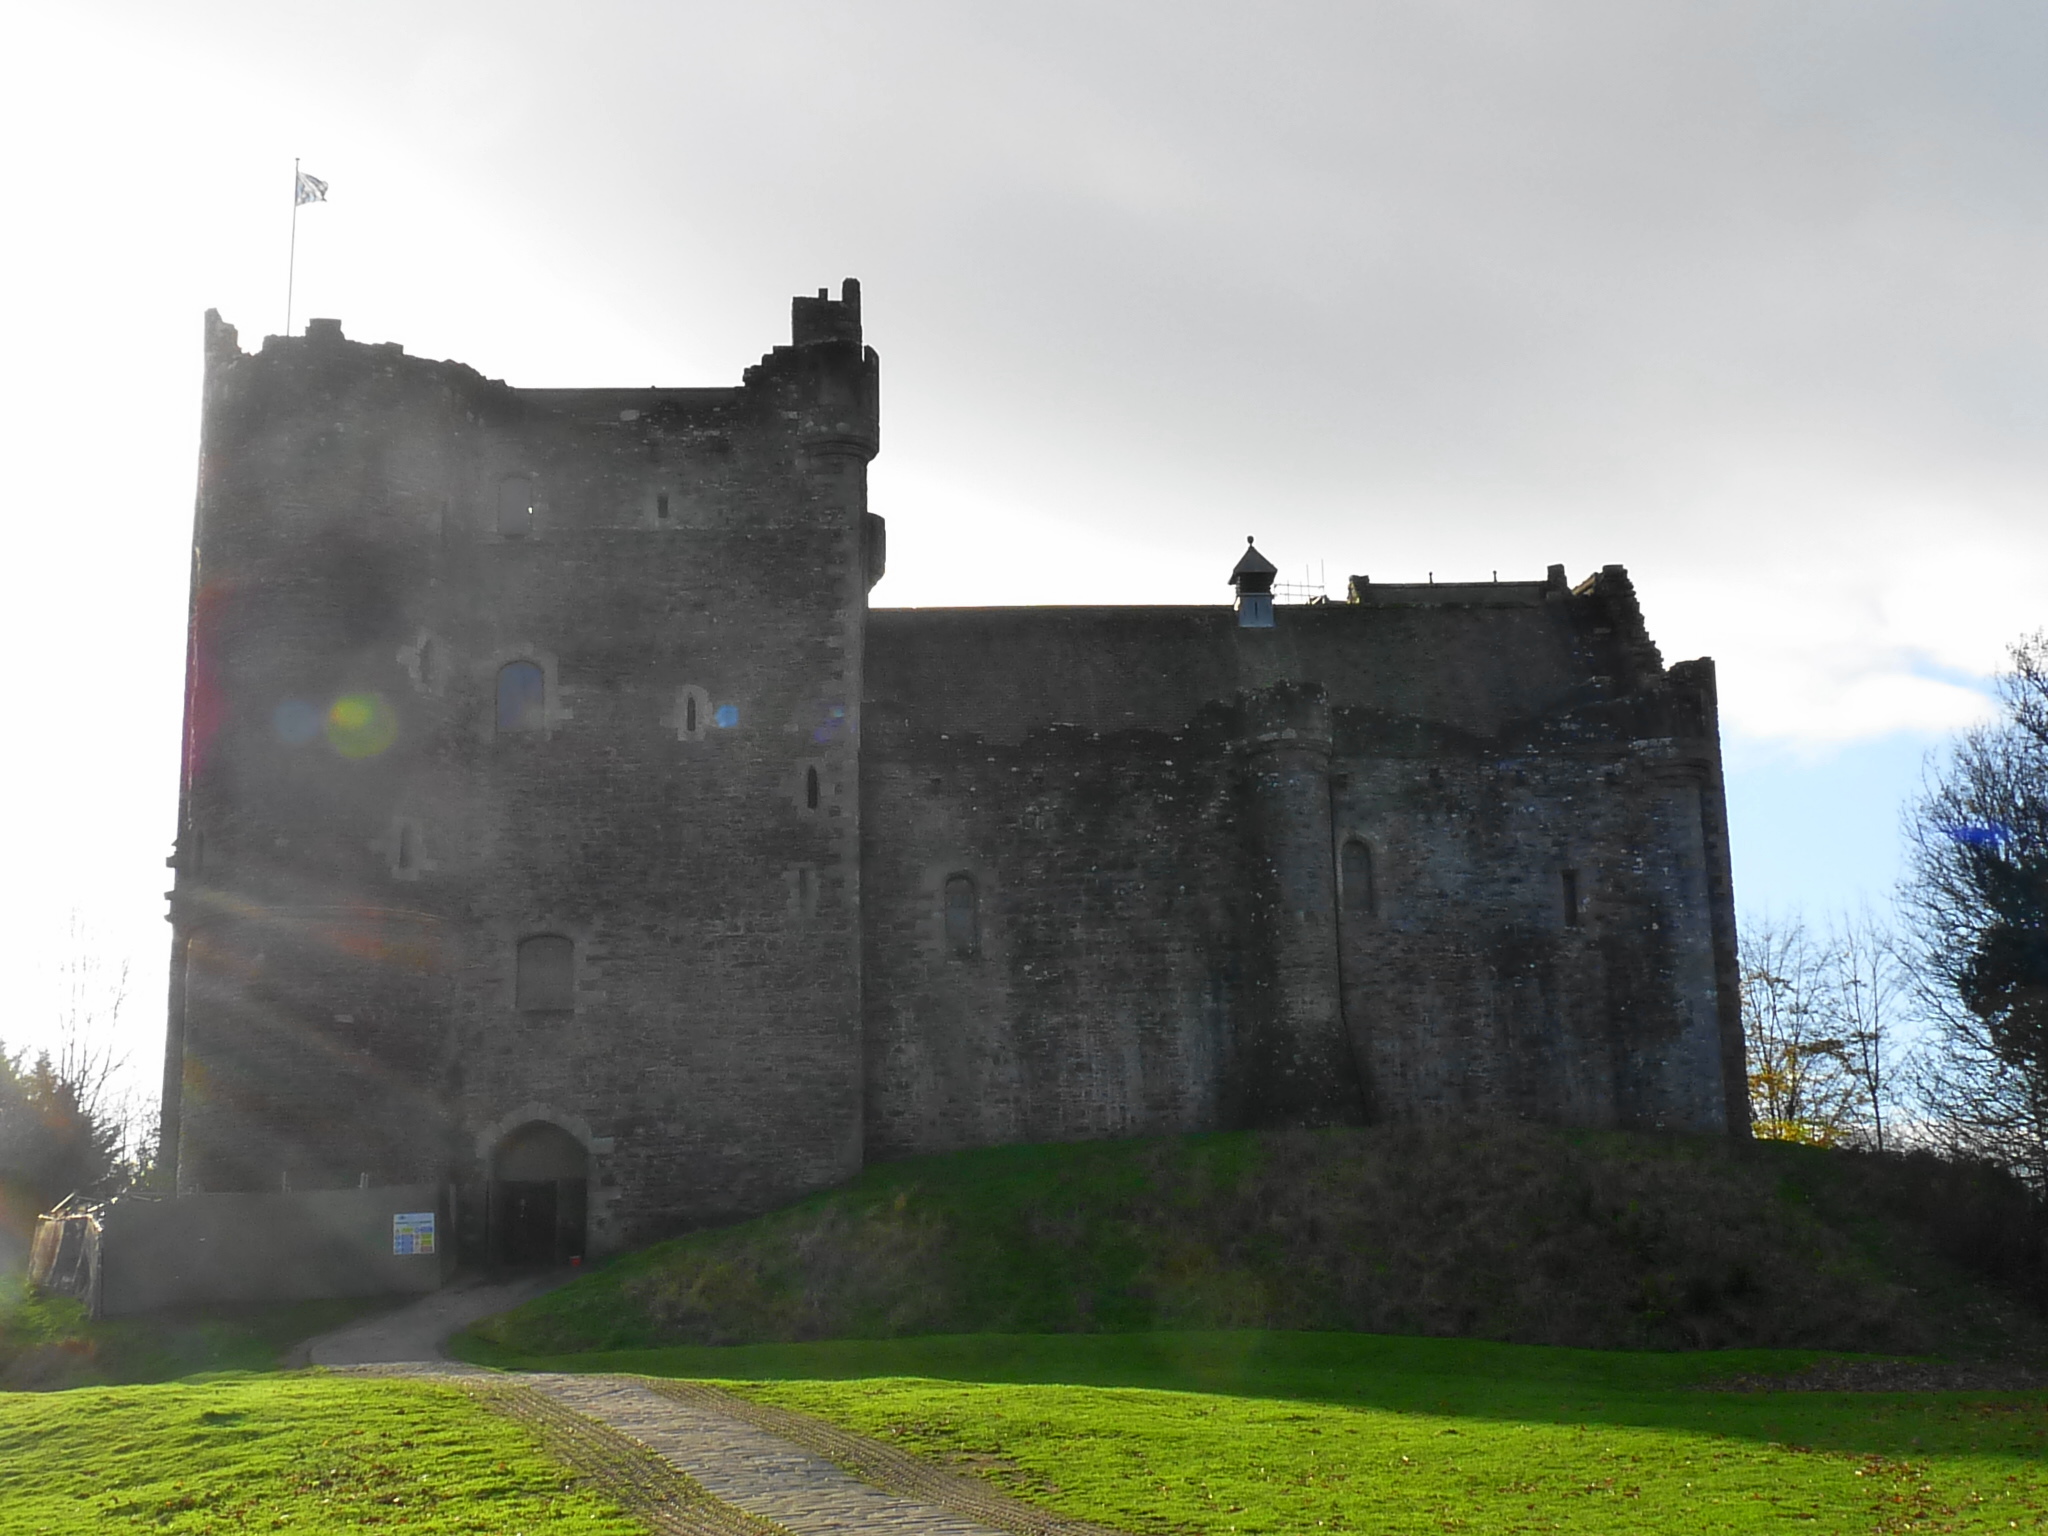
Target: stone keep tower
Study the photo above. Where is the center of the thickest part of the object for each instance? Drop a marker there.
(519, 826)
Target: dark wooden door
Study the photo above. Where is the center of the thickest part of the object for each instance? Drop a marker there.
(527, 1230)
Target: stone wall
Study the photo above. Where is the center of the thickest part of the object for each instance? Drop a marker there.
(205, 1249)
(1154, 803)
(814, 885)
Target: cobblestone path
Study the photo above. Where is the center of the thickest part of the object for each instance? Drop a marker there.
(691, 1460)
(742, 1465)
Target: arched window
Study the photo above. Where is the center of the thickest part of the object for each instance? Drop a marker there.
(963, 919)
(810, 789)
(546, 981)
(1354, 875)
(515, 507)
(522, 697)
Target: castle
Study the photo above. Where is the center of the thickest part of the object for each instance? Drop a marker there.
(560, 825)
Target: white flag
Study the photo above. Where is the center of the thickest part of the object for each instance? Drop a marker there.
(311, 189)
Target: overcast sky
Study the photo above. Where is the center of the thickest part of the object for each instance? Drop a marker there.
(1745, 297)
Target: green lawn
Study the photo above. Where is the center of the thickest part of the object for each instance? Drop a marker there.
(307, 1453)
(1168, 1461)
(1162, 1432)
(1303, 1432)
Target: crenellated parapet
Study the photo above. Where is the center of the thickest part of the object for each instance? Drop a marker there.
(825, 382)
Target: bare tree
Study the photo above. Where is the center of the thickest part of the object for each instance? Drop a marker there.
(1976, 896)
(1870, 996)
(1801, 1084)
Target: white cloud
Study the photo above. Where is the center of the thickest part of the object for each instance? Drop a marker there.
(1745, 298)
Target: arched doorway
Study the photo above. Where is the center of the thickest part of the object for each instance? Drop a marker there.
(539, 1195)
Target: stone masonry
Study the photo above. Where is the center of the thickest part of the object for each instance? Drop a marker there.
(559, 824)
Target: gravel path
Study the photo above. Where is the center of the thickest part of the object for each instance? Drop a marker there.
(420, 1331)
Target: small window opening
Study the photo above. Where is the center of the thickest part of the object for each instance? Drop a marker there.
(661, 506)
(1354, 877)
(810, 789)
(522, 697)
(408, 847)
(692, 713)
(546, 981)
(1571, 897)
(963, 925)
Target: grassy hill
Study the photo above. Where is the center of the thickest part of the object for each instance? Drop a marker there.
(1514, 1233)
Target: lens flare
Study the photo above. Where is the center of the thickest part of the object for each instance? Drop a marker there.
(361, 725)
(1991, 835)
(833, 723)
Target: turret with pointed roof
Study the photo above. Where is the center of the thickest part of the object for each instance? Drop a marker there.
(1253, 577)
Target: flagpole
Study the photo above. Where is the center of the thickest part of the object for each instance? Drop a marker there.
(291, 270)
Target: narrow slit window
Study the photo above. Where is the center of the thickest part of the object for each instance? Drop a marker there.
(1354, 874)
(963, 918)
(408, 847)
(810, 789)
(546, 980)
(692, 713)
(1570, 892)
(522, 697)
(661, 506)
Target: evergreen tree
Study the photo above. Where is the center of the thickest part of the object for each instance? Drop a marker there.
(55, 1139)
(2004, 979)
